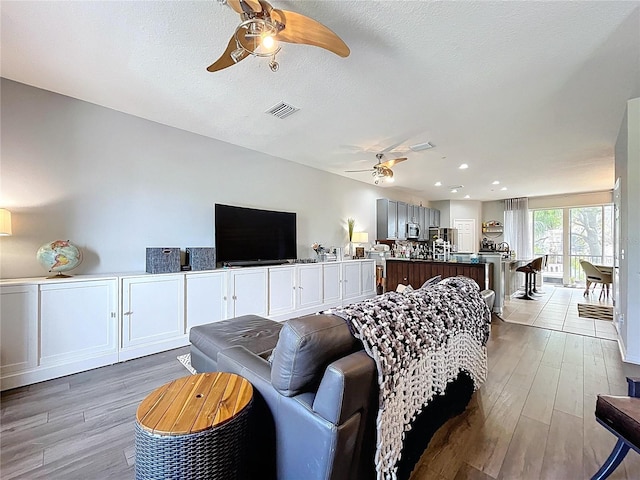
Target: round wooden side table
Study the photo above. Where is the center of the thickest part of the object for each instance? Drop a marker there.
(194, 427)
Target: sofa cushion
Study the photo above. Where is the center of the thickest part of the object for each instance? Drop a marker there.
(305, 347)
(256, 334)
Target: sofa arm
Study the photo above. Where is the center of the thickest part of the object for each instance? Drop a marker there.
(239, 360)
(345, 387)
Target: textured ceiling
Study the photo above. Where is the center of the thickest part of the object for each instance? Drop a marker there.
(531, 94)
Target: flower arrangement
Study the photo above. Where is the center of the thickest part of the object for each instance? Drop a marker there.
(350, 223)
(318, 248)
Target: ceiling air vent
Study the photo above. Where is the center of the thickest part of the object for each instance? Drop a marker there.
(421, 146)
(282, 110)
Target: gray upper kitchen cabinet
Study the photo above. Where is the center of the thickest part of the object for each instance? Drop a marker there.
(423, 217)
(392, 218)
(403, 212)
(434, 218)
(387, 219)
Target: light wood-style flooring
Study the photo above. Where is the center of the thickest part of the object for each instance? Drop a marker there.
(80, 426)
(534, 416)
(532, 419)
(557, 309)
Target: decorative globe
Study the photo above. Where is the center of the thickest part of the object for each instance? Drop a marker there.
(59, 256)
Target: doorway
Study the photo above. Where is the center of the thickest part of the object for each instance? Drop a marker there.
(467, 240)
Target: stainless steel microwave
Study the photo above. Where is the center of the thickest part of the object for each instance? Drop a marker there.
(413, 230)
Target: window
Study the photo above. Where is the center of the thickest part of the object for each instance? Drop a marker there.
(591, 237)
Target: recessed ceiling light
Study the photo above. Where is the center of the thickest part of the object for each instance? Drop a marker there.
(467, 196)
(438, 184)
(495, 182)
(454, 190)
(463, 166)
(503, 188)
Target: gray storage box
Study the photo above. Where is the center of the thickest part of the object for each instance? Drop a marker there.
(163, 260)
(201, 258)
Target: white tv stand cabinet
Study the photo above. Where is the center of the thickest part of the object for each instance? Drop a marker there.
(56, 327)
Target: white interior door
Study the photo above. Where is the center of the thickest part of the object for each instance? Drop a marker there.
(467, 235)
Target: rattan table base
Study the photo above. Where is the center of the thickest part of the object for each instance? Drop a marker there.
(210, 455)
(194, 428)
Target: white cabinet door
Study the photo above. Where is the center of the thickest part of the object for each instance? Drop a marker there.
(368, 271)
(152, 309)
(331, 284)
(282, 290)
(309, 285)
(78, 320)
(248, 292)
(351, 280)
(18, 328)
(206, 298)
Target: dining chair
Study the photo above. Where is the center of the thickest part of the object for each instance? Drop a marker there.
(595, 275)
(621, 416)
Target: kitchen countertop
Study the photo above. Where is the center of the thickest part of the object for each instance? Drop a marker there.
(433, 261)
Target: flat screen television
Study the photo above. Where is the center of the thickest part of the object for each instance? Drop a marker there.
(249, 236)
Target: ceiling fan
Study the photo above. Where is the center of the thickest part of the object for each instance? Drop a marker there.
(381, 171)
(261, 29)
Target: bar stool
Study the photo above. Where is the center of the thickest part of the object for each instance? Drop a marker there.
(537, 265)
(528, 275)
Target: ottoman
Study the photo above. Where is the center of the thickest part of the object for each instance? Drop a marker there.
(257, 334)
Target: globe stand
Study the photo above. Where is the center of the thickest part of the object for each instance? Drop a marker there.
(59, 275)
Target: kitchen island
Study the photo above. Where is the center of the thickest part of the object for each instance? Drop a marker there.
(416, 272)
(505, 280)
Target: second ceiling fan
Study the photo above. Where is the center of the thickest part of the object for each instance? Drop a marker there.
(262, 27)
(381, 171)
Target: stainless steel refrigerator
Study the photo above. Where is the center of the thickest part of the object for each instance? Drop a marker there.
(447, 234)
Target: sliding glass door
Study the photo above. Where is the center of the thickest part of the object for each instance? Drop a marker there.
(548, 239)
(569, 235)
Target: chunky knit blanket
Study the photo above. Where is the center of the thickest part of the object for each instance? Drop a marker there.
(420, 340)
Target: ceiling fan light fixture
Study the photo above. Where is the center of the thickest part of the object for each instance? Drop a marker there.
(261, 31)
(268, 42)
(237, 54)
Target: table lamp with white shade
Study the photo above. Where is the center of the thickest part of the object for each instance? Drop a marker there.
(5, 222)
(360, 238)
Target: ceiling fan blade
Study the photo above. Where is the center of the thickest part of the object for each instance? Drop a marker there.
(252, 4)
(266, 6)
(391, 163)
(226, 60)
(301, 29)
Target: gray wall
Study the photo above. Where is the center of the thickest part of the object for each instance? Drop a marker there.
(627, 165)
(115, 184)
